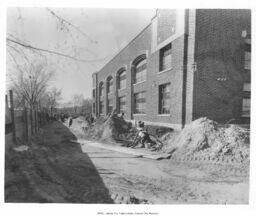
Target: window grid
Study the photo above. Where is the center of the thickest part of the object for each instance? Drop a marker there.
(110, 86)
(122, 104)
(101, 87)
(247, 87)
(165, 58)
(140, 103)
(164, 99)
(122, 80)
(110, 105)
(247, 60)
(101, 107)
(246, 107)
(93, 93)
(141, 71)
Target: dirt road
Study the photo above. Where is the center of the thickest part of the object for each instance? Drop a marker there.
(55, 170)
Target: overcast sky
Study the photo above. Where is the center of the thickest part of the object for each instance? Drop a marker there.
(107, 32)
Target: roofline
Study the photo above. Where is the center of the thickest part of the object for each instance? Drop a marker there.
(128, 43)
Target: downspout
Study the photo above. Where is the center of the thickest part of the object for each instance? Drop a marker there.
(185, 62)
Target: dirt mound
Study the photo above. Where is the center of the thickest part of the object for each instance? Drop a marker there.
(109, 129)
(205, 138)
(114, 126)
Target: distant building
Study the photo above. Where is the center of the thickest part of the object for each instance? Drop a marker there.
(184, 65)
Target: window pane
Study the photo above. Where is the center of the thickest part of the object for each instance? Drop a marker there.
(101, 107)
(140, 71)
(165, 58)
(140, 76)
(246, 107)
(122, 84)
(110, 85)
(93, 93)
(164, 99)
(110, 105)
(248, 41)
(122, 80)
(167, 62)
(122, 104)
(139, 103)
(247, 87)
(101, 89)
(141, 63)
(247, 60)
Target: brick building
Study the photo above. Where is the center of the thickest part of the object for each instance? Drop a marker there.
(184, 65)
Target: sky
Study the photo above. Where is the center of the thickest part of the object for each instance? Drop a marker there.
(105, 33)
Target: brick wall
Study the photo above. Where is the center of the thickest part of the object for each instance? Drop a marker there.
(208, 67)
(166, 24)
(172, 76)
(219, 56)
(142, 45)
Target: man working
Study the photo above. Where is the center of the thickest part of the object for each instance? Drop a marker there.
(142, 136)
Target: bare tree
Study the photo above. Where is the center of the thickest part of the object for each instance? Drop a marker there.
(30, 82)
(77, 100)
(51, 98)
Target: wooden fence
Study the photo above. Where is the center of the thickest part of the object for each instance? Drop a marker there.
(21, 123)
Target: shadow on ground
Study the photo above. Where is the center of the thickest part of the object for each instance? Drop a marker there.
(53, 170)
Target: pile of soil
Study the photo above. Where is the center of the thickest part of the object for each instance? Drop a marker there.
(116, 129)
(110, 129)
(114, 126)
(205, 138)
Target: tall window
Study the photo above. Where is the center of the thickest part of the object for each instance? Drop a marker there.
(101, 107)
(140, 74)
(93, 93)
(122, 80)
(110, 82)
(246, 100)
(247, 60)
(165, 57)
(122, 104)
(246, 103)
(247, 87)
(247, 54)
(110, 105)
(246, 107)
(101, 88)
(164, 99)
(140, 103)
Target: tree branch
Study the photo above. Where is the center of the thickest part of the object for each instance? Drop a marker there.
(52, 52)
(62, 20)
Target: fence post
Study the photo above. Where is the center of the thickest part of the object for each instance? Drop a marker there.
(26, 123)
(35, 120)
(38, 120)
(31, 121)
(39, 115)
(12, 116)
